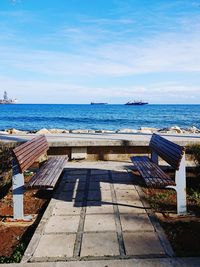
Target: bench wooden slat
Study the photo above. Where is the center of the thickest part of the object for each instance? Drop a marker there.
(30, 160)
(169, 151)
(34, 150)
(152, 174)
(27, 153)
(48, 173)
(28, 143)
(52, 167)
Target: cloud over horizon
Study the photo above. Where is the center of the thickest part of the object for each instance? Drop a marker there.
(113, 57)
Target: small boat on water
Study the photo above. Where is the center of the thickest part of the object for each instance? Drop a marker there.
(136, 103)
(96, 103)
(7, 100)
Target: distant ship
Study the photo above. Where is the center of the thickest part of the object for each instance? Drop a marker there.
(96, 103)
(136, 103)
(7, 100)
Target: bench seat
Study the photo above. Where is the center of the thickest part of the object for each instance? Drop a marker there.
(24, 156)
(153, 176)
(48, 174)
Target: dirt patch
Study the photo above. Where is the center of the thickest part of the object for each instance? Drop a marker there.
(15, 236)
(183, 232)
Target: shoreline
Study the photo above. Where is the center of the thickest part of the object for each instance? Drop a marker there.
(141, 130)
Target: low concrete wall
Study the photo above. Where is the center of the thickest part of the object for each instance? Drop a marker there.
(107, 153)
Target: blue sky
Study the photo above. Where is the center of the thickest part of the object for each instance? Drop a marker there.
(78, 51)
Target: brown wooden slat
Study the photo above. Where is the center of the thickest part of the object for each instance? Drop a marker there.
(27, 153)
(52, 168)
(160, 139)
(48, 173)
(169, 151)
(57, 170)
(152, 174)
(28, 143)
(29, 161)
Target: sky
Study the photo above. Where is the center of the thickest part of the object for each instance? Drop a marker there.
(78, 51)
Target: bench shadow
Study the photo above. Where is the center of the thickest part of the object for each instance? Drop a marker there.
(83, 187)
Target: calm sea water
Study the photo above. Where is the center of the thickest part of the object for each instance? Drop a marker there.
(110, 117)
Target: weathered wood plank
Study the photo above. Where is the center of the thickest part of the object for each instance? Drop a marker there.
(167, 150)
(27, 153)
(48, 174)
(152, 174)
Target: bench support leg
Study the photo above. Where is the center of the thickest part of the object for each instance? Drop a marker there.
(154, 157)
(18, 196)
(180, 179)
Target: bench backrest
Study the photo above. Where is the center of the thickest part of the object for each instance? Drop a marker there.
(27, 153)
(167, 150)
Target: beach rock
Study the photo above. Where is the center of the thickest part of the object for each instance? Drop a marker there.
(126, 131)
(148, 130)
(43, 131)
(65, 131)
(164, 130)
(91, 131)
(176, 129)
(56, 131)
(193, 129)
(3, 132)
(15, 131)
(104, 131)
(79, 131)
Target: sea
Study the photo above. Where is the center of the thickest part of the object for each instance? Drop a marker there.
(97, 117)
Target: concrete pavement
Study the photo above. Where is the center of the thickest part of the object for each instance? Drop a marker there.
(96, 214)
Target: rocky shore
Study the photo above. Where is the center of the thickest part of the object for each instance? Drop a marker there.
(145, 130)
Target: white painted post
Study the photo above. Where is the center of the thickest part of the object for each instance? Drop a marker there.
(180, 179)
(18, 193)
(154, 157)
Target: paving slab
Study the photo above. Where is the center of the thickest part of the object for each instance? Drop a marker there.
(124, 186)
(55, 246)
(74, 178)
(142, 243)
(66, 208)
(96, 195)
(100, 178)
(133, 207)
(99, 185)
(99, 244)
(94, 207)
(73, 186)
(99, 223)
(62, 224)
(70, 196)
(135, 222)
(127, 195)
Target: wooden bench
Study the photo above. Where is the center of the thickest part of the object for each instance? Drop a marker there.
(46, 177)
(155, 177)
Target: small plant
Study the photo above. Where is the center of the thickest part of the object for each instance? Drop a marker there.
(194, 196)
(194, 150)
(16, 256)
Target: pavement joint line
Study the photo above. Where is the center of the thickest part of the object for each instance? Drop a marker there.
(158, 228)
(99, 258)
(117, 219)
(80, 231)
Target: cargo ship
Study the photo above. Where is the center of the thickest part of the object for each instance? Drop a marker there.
(98, 103)
(136, 103)
(7, 100)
